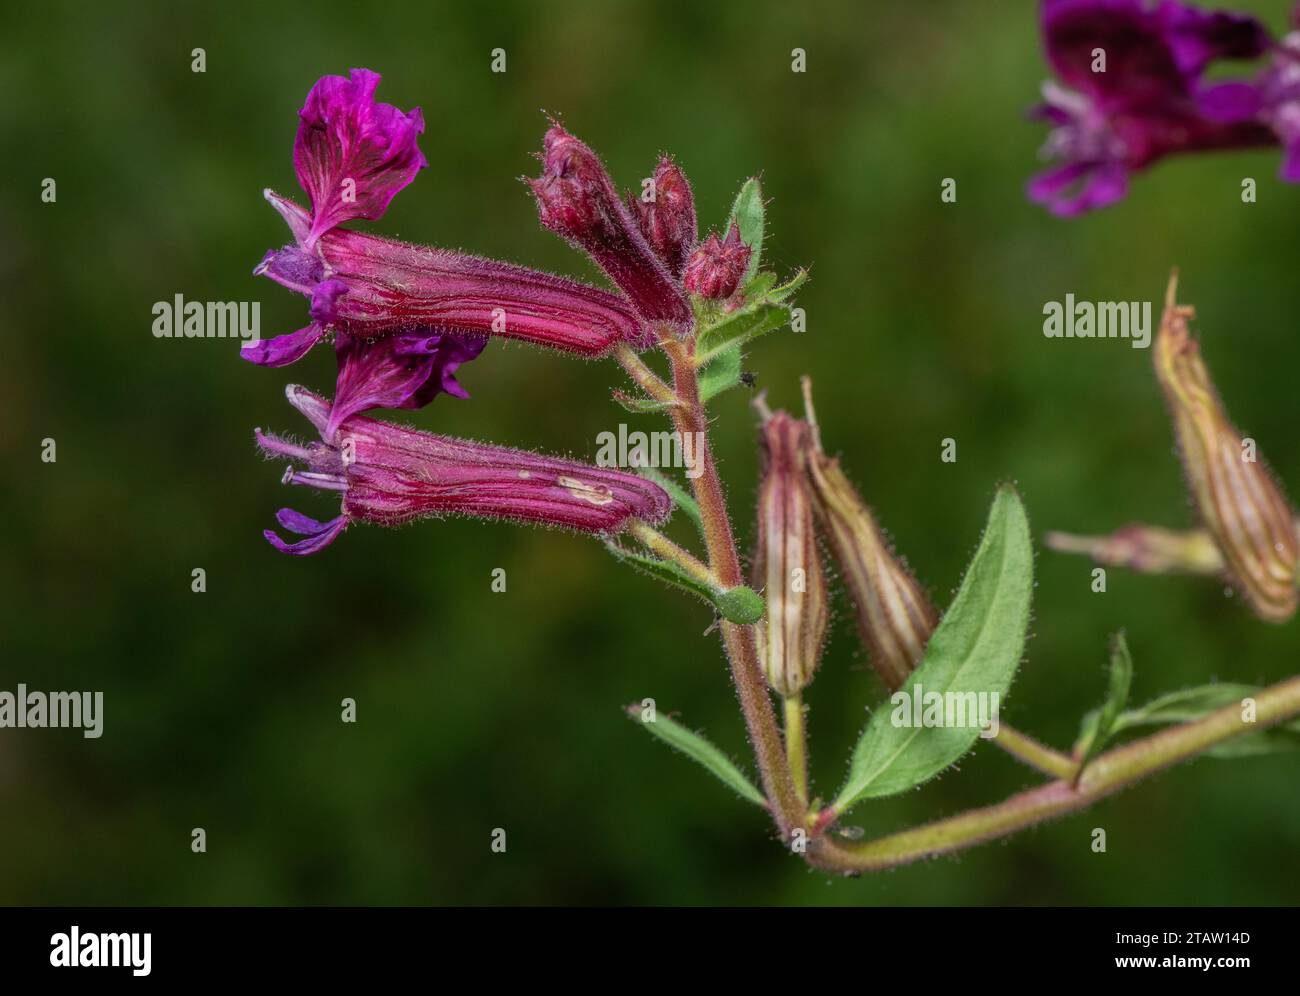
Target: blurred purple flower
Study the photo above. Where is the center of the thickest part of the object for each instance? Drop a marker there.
(1145, 105)
(389, 474)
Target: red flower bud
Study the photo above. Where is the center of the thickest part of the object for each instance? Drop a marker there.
(667, 219)
(576, 199)
(716, 267)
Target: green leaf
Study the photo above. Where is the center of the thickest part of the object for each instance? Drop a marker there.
(1099, 725)
(722, 374)
(698, 749)
(738, 605)
(748, 212)
(1190, 704)
(680, 496)
(976, 648)
(745, 323)
(789, 287)
(638, 404)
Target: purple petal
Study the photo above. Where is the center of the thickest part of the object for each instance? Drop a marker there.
(296, 522)
(283, 349)
(397, 371)
(353, 154)
(1227, 103)
(323, 535)
(297, 218)
(1290, 171)
(1198, 37)
(1104, 185)
(323, 298)
(1045, 186)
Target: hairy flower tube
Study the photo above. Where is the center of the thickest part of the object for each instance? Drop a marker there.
(577, 199)
(1237, 497)
(787, 563)
(1129, 90)
(389, 474)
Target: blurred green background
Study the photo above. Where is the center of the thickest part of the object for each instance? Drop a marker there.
(481, 710)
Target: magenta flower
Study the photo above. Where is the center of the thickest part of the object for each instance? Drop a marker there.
(577, 199)
(352, 154)
(389, 474)
(1145, 105)
(716, 267)
(405, 317)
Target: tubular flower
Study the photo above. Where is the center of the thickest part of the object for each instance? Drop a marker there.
(894, 615)
(577, 199)
(1144, 104)
(369, 287)
(404, 317)
(668, 220)
(390, 474)
(1239, 502)
(787, 563)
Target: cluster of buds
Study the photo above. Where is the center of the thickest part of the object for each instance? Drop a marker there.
(801, 485)
(1249, 533)
(404, 318)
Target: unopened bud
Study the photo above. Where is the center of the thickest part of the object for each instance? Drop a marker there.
(667, 220)
(1240, 503)
(576, 199)
(894, 616)
(715, 268)
(787, 562)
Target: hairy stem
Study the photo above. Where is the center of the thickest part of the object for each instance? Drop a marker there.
(660, 545)
(1105, 775)
(642, 375)
(1025, 748)
(742, 654)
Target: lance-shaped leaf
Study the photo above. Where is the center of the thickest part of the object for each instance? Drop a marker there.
(698, 749)
(722, 374)
(740, 605)
(1189, 704)
(749, 214)
(1100, 724)
(975, 649)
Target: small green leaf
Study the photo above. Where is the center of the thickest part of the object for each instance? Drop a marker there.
(638, 404)
(737, 328)
(976, 648)
(748, 212)
(1190, 704)
(680, 496)
(1099, 725)
(738, 605)
(789, 287)
(722, 374)
(698, 749)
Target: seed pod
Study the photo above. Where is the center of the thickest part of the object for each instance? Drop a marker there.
(894, 616)
(1239, 501)
(787, 562)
